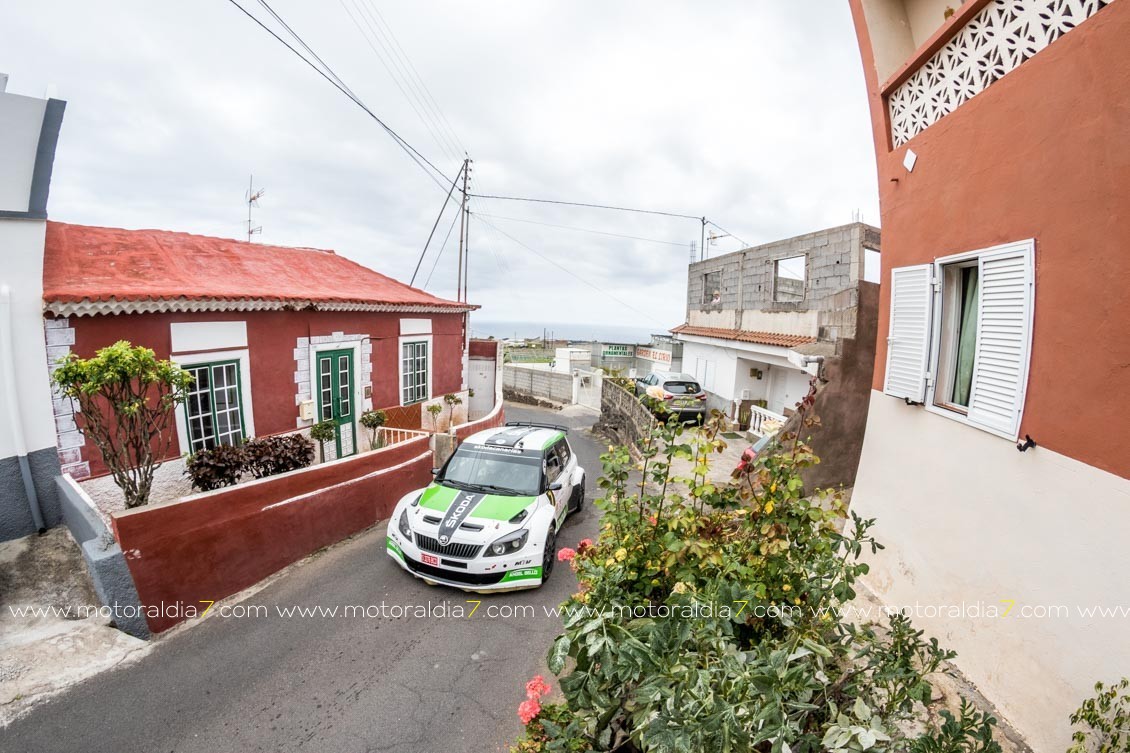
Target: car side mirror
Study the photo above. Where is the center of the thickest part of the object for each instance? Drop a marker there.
(435, 471)
(556, 486)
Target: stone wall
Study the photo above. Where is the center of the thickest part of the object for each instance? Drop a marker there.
(519, 382)
(622, 415)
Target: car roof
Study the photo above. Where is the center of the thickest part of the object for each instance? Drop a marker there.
(677, 376)
(522, 437)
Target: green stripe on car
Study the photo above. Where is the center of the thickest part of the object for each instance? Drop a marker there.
(549, 442)
(492, 506)
(392, 547)
(525, 573)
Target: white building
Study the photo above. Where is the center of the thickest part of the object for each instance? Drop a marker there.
(29, 463)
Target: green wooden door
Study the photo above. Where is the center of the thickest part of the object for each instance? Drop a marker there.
(335, 400)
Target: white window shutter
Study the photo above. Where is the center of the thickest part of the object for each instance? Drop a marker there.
(908, 341)
(1004, 337)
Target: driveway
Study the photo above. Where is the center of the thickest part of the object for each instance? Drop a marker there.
(399, 680)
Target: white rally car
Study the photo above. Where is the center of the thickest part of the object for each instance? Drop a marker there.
(489, 520)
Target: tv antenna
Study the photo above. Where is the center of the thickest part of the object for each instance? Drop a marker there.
(252, 198)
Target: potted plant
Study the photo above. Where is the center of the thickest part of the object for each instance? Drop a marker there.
(373, 420)
(325, 431)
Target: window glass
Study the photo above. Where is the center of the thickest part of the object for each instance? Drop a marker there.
(514, 474)
(212, 408)
(682, 388)
(414, 366)
(789, 279)
(958, 344)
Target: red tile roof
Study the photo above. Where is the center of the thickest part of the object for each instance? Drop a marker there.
(99, 264)
(761, 338)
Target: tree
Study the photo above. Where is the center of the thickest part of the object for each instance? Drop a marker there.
(323, 432)
(373, 420)
(451, 400)
(126, 398)
(434, 411)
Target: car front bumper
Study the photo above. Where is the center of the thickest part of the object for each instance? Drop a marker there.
(478, 575)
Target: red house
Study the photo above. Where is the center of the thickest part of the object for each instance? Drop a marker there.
(275, 337)
(1001, 132)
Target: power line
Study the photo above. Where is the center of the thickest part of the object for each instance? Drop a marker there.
(727, 232)
(442, 209)
(584, 230)
(590, 206)
(441, 248)
(567, 271)
(340, 85)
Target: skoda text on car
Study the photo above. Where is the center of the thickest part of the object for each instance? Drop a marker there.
(489, 520)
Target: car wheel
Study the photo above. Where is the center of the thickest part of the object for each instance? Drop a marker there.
(579, 497)
(549, 554)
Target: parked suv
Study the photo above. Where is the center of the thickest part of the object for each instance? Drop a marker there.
(681, 392)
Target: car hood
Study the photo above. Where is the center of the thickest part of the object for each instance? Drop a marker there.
(442, 499)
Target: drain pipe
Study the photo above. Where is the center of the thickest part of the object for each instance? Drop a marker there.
(12, 403)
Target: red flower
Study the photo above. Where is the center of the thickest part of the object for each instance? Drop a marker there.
(585, 544)
(651, 520)
(565, 554)
(527, 710)
(536, 688)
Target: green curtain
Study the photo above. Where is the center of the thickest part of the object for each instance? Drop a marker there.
(967, 341)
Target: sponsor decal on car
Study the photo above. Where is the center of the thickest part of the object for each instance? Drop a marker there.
(456, 513)
(526, 573)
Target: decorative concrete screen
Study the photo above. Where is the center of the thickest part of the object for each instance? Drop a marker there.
(994, 42)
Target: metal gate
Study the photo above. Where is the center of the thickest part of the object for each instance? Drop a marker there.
(587, 386)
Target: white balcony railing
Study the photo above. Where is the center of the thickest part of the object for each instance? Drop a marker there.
(765, 423)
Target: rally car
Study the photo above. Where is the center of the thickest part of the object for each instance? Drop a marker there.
(489, 520)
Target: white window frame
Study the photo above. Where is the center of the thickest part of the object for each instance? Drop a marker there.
(246, 408)
(401, 342)
(934, 348)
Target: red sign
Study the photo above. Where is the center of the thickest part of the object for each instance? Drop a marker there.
(429, 559)
(651, 354)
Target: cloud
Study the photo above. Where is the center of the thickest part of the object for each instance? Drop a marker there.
(752, 114)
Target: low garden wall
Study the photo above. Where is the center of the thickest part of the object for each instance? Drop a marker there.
(524, 382)
(623, 415)
(211, 545)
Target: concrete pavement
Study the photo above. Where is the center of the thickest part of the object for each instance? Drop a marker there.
(328, 682)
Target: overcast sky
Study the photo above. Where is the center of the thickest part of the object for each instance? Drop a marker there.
(752, 113)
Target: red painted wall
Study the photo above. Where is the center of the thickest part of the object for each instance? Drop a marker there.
(272, 337)
(214, 545)
(483, 348)
(1042, 153)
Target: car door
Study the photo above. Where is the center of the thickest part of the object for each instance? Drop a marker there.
(555, 473)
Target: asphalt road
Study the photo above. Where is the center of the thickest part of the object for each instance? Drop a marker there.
(321, 683)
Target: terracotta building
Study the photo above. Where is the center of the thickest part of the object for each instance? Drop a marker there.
(274, 337)
(1001, 132)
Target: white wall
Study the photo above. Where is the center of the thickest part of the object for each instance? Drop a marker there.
(21, 119)
(21, 252)
(787, 387)
(965, 518)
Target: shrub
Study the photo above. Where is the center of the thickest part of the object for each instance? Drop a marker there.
(268, 456)
(1107, 720)
(451, 400)
(322, 432)
(434, 411)
(709, 618)
(373, 420)
(126, 398)
(216, 467)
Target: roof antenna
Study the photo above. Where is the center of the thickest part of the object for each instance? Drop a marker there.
(252, 198)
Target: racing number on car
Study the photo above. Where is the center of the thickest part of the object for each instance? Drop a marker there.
(429, 559)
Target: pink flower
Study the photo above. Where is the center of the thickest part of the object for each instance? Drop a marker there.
(651, 520)
(527, 710)
(565, 554)
(536, 688)
(585, 544)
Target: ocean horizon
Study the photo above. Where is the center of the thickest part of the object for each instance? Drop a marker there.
(615, 333)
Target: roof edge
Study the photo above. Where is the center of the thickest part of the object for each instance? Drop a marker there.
(87, 307)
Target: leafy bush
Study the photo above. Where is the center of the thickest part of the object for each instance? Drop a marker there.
(125, 397)
(1107, 719)
(709, 618)
(434, 411)
(215, 468)
(322, 432)
(373, 420)
(268, 456)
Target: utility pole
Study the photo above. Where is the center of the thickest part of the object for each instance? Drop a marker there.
(702, 248)
(462, 232)
(467, 239)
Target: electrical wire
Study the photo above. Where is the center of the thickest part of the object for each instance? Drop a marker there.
(590, 206)
(442, 209)
(340, 85)
(441, 248)
(585, 230)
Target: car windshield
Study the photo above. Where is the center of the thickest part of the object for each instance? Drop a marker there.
(494, 470)
(681, 388)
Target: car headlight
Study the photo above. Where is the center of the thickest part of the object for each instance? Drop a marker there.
(405, 530)
(508, 544)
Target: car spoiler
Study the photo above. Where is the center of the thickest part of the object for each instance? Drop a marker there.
(538, 425)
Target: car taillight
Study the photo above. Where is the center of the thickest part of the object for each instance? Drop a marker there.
(702, 396)
(668, 396)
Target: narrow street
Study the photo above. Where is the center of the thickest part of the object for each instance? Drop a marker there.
(331, 683)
